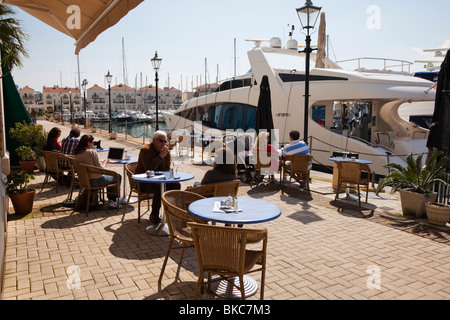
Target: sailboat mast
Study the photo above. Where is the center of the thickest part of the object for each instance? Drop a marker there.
(124, 79)
(235, 57)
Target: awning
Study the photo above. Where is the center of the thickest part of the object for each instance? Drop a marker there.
(82, 20)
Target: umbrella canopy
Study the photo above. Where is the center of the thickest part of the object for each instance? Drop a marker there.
(439, 136)
(82, 20)
(264, 120)
(14, 111)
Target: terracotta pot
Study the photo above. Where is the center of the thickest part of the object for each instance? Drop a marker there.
(438, 213)
(414, 203)
(23, 202)
(27, 166)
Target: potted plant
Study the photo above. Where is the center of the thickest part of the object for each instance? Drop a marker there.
(31, 135)
(415, 181)
(17, 189)
(93, 129)
(27, 158)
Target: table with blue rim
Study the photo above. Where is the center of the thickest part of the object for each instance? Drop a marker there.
(161, 177)
(249, 211)
(124, 198)
(336, 174)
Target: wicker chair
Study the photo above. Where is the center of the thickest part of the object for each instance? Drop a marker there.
(185, 142)
(298, 169)
(83, 171)
(175, 204)
(135, 188)
(349, 174)
(258, 178)
(222, 251)
(217, 189)
(52, 169)
(74, 180)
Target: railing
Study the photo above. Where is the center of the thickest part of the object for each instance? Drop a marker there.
(386, 64)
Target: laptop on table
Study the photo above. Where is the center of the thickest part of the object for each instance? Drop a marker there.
(115, 154)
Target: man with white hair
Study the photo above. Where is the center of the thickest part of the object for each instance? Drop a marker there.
(156, 156)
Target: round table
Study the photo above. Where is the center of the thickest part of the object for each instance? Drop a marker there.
(348, 196)
(250, 211)
(162, 178)
(124, 198)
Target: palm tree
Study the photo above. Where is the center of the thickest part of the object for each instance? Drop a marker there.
(12, 38)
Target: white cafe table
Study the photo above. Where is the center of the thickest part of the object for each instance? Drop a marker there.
(161, 178)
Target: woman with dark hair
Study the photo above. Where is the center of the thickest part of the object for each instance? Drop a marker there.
(84, 153)
(224, 168)
(52, 140)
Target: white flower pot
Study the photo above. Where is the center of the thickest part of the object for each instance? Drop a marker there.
(414, 203)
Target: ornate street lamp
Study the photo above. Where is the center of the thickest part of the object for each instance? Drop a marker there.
(308, 15)
(156, 62)
(83, 85)
(108, 78)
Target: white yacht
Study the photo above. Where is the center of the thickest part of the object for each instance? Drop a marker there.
(350, 110)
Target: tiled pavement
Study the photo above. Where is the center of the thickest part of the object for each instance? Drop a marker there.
(316, 250)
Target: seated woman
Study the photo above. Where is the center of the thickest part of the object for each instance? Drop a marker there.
(224, 168)
(85, 153)
(262, 145)
(52, 140)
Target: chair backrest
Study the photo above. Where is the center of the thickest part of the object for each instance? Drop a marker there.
(70, 160)
(83, 176)
(51, 160)
(219, 189)
(261, 159)
(349, 171)
(130, 169)
(63, 162)
(175, 204)
(299, 162)
(184, 141)
(223, 248)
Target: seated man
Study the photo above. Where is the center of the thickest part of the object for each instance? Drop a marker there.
(295, 146)
(68, 144)
(155, 156)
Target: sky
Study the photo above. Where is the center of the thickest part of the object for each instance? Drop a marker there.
(192, 35)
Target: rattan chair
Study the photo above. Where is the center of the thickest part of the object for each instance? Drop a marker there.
(223, 251)
(297, 169)
(260, 164)
(73, 172)
(135, 188)
(83, 171)
(52, 169)
(175, 204)
(219, 189)
(185, 142)
(349, 175)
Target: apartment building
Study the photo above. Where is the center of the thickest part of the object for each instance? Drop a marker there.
(59, 99)
(126, 98)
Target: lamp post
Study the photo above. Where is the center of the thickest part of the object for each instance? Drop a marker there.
(83, 85)
(70, 105)
(308, 15)
(108, 78)
(156, 62)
